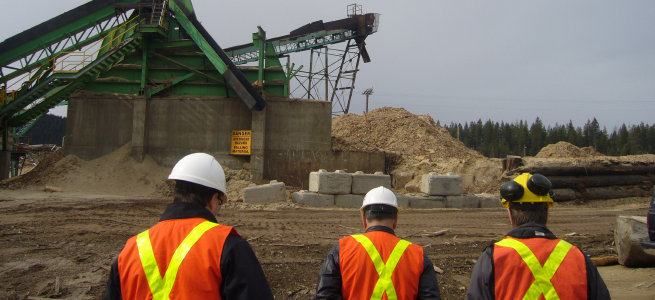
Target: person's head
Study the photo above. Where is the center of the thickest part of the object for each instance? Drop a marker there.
(199, 179)
(527, 199)
(380, 207)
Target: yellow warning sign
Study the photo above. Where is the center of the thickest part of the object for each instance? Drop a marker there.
(241, 142)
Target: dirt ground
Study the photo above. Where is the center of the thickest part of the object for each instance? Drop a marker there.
(60, 245)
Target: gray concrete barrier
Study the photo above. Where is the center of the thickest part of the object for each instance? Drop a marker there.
(265, 193)
(335, 183)
(362, 183)
(313, 199)
(348, 201)
(441, 185)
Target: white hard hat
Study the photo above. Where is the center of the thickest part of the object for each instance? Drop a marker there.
(380, 195)
(200, 168)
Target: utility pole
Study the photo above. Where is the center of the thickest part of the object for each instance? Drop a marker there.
(367, 92)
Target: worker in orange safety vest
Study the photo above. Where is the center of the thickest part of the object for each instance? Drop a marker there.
(188, 255)
(530, 262)
(377, 264)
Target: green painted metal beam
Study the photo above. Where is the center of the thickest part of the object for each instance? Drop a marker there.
(215, 54)
(56, 35)
(177, 63)
(170, 84)
(59, 86)
(71, 48)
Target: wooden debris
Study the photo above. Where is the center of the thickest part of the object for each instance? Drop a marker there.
(438, 270)
(605, 260)
(355, 229)
(52, 189)
(438, 233)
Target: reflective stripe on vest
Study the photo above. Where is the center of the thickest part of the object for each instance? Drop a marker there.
(542, 275)
(384, 283)
(161, 287)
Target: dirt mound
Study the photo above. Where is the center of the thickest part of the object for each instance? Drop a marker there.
(396, 130)
(116, 173)
(566, 150)
(414, 144)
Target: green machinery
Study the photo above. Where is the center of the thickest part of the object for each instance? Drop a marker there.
(152, 48)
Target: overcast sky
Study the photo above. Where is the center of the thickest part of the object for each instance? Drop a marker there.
(464, 60)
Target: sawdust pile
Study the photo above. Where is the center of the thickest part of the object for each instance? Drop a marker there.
(397, 130)
(116, 173)
(566, 150)
(415, 145)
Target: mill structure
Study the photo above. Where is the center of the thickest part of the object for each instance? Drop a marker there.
(149, 74)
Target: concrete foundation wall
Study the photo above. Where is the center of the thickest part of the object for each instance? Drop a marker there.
(98, 124)
(293, 167)
(179, 127)
(297, 132)
(298, 125)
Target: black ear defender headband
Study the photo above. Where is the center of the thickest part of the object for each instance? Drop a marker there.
(537, 184)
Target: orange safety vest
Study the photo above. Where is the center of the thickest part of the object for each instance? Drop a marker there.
(175, 259)
(379, 265)
(539, 268)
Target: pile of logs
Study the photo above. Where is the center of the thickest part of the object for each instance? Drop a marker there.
(596, 182)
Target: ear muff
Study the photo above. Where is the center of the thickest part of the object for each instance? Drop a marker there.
(511, 191)
(539, 185)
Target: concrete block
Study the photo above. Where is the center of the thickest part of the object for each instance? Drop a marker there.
(349, 201)
(313, 199)
(266, 193)
(488, 201)
(324, 182)
(427, 202)
(629, 233)
(400, 179)
(462, 202)
(441, 185)
(362, 183)
(403, 200)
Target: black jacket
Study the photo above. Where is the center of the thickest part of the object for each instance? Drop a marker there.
(243, 277)
(482, 279)
(329, 277)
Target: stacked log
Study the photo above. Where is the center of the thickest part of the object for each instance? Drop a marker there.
(596, 182)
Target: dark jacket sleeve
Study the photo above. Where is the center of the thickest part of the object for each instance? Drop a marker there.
(329, 277)
(243, 277)
(482, 278)
(596, 288)
(113, 290)
(428, 287)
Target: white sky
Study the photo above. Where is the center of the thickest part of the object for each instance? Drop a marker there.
(464, 60)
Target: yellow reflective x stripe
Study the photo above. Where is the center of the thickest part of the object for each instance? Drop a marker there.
(542, 275)
(161, 287)
(384, 283)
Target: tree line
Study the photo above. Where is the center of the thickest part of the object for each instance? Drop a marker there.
(493, 139)
(50, 129)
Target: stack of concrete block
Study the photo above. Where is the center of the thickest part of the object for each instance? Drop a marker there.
(340, 188)
(266, 193)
